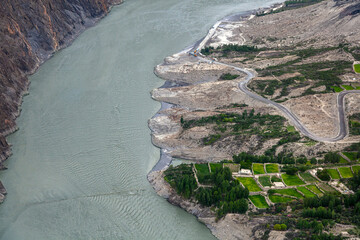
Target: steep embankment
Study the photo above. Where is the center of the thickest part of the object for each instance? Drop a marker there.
(30, 31)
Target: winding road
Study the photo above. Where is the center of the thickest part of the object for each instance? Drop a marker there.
(343, 130)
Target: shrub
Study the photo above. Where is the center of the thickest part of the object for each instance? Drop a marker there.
(277, 227)
(283, 227)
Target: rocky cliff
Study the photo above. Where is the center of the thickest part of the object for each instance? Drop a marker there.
(30, 32)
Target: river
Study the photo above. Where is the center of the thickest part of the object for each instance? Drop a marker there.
(83, 151)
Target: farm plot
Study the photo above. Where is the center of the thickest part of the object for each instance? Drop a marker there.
(272, 168)
(259, 201)
(356, 169)
(279, 199)
(308, 177)
(306, 192)
(215, 166)
(265, 181)
(203, 173)
(315, 189)
(334, 174)
(289, 191)
(250, 184)
(345, 172)
(327, 188)
(258, 168)
(292, 180)
(233, 166)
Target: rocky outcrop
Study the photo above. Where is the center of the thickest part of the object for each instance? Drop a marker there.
(30, 32)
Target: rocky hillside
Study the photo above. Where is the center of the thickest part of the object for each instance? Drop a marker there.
(30, 31)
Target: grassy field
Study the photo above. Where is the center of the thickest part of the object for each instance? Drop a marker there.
(250, 184)
(337, 89)
(202, 168)
(265, 181)
(348, 87)
(357, 68)
(259, 201)
(288, 191)
(327, 188)
(345, 172)
(315, 189)
(215, 166)
(292, 180)
(356, 169)
(233, 166)
(334, 174)
(308, 177)
(279, 199)
(306, 192)
(258, 168)
(272, 168)
(351, 155)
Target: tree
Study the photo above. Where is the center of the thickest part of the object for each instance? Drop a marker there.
(323, 175)
(277, 227)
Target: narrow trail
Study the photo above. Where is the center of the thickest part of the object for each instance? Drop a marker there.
(343, 130)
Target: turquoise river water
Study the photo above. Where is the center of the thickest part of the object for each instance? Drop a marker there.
(83, 150)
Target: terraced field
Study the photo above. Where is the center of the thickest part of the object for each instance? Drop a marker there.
(250, 184)
(356, 169)
(215, 166)
(279, 199)
(334, 174)
(327, 188)
(258, 168)
(288, 191)
(306, 192)
(265, 181)
(315, 189)
(259, 201)
(345, 172)
(272, 168)
(292, 180)
(308, 177)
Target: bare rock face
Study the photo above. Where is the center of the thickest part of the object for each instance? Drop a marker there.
(30, 31)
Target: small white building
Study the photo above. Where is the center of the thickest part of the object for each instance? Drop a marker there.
(245, 172)
(279, 184)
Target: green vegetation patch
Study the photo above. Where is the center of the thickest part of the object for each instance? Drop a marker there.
(292, 180)
(353, 156)
(182, 179)
(203, 173)
(354, 124)
(315, 189)
(291, 128)
(287, 191)
(306, 192)
(233, 167)
(250, 184)
(337, 89)
(228, 76)
(348, 87)
(327, 188)
(275, 179)
(357, 68)
(279, 199)
(258, 168)
(345, 172)
(243, 126)
(215, 166)
(356, 169)
(272, 168)
(259, 201)
(308, 177)
(265, 181)
(334, 174)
